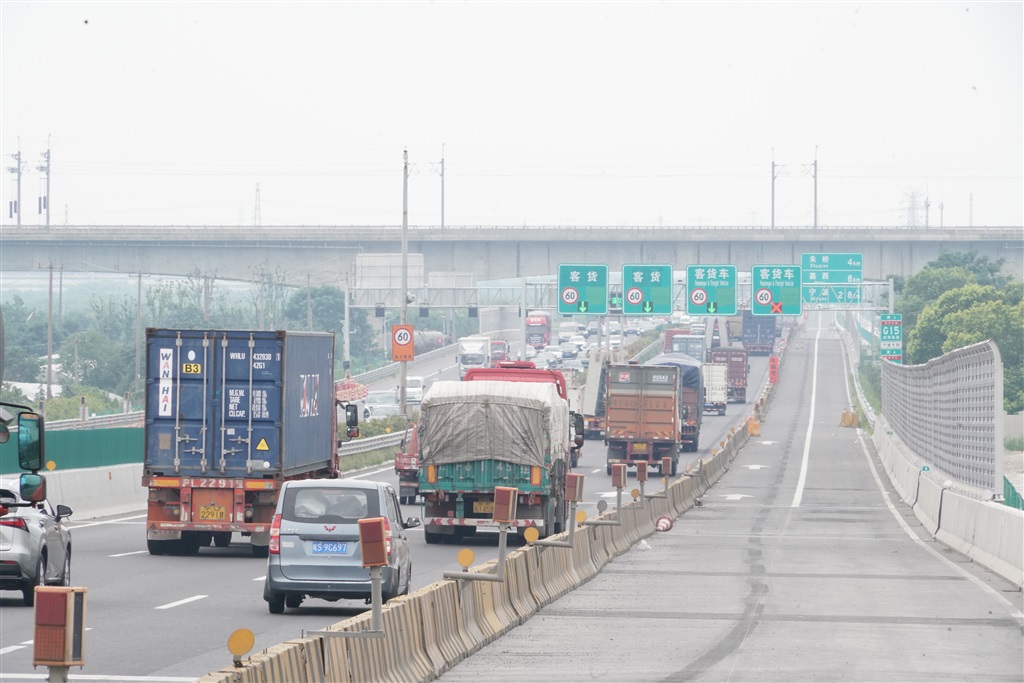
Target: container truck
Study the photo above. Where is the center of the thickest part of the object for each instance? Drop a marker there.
(230, 416)
(474, 436)
(738, 369)
(716, 387)
(538, 329)
(654, 410)
(758, 333)
(474, 352)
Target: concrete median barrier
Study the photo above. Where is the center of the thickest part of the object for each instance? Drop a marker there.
(296, 661)
(929, 500)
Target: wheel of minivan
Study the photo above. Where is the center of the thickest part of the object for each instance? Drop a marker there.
(293, 600)
(28, 590)
(276, 604)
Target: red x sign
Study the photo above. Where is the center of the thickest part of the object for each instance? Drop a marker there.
(776, 307)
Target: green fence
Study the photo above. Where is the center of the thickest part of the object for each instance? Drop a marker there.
(77, 448)
(1010, 495)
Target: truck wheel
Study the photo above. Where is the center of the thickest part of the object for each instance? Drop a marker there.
(190, 542)
(431, 537)
(158, 547)
(608, 469)
(675, 466)
(222, 539)
(262, 551)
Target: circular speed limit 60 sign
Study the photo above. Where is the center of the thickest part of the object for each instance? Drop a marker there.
(402, 337)
(763, 296)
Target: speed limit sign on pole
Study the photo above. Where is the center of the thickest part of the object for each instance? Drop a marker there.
(401, 343)
(763, 296)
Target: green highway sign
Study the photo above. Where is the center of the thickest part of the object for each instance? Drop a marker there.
(831, 294)
(646, 289)
(582, 289)
(711, 290)
(831, 278)
(890, 337)
(775, 290)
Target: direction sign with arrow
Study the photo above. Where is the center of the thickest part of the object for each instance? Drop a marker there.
(711, 290)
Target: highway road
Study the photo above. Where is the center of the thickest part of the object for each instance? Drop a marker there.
(168, 618)
(802, 564)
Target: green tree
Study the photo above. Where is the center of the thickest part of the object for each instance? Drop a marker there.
(928, 337)
(25, 341)
(925, 287)
(68, 405)
(985, 272)
(1003, 324)
(101, 362)
(327, 305)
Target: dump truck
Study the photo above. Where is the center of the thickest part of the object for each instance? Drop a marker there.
(230, 416)
(716, 387)
(737, 370)
(654, 410)
(474, 436)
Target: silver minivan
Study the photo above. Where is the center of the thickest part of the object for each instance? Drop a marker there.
(314, 542)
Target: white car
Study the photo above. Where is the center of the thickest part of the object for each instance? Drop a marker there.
(580, 341)
(615, 340)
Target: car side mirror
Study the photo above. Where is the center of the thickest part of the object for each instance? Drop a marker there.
(412, 523)
(63, 511)
(351, 415)
(30, 441)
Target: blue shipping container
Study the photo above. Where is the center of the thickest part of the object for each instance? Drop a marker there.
(239, 403)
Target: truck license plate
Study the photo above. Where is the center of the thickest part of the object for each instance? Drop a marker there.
(639, 447)
(213, 513)
(483, 506)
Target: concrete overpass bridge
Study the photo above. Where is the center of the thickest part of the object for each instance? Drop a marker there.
(326, 254)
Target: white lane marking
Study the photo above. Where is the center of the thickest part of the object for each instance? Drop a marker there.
(261, 578)
(597, 471)
(735, 496)
(134, 552)
(119, 520)
(756, 467)
(182, 602)
(798, 496)
(12, 648)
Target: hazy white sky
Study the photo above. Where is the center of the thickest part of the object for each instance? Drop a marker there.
(171, 113)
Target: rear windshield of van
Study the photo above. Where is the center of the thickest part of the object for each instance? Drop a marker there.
(330, 504)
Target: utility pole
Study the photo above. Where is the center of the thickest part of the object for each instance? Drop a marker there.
(44, 201)
(442, 186)
(49, 342)
(775, 174)
(138, 337)
(14, 207)
(257, 218)
(405, 271)
(815, 187)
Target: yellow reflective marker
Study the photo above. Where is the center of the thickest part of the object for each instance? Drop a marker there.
(581, 516)
(241, 641)
(465, 558)
(51, 466)
(531, 534)
(635, 493)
